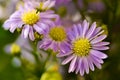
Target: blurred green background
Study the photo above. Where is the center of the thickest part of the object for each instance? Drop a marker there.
(7, 71)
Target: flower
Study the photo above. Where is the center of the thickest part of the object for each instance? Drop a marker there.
(55, 38)
(30, 20)
(83, 52)
(41, 5)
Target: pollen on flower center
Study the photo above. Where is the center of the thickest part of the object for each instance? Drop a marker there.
(81, 47)
(57, 33)
(30, 17)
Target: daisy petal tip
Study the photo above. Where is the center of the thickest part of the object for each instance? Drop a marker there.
(93, 69)
(105, 56)
(58, 55)
(63, 63)
(87, 72)
(94, 23)
(69, 71)
(107, 48)
(100, 67)
(82, 74)
(85, 21)
(107, 43)
(76, 72)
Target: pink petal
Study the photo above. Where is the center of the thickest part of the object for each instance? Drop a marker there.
(48, 21)
(31, 34)
(64, 47)
(98, 54)
(82, 67)
(97, 59)
(91, 30)
(55, 46)
(6, 24)
(38, 29)
(65, 54)
(98, 39)
(45, 44)
(96, 35)
(98, 65)
(25, 31)
(72, 64)
(71, 36)
(75, 30)
(78, 67)
(16, 14)
(86, 66)
(100, 48)
(80, 30)
(101, 44)
(12, 27)
(47, 16)
(68, 59)
(91, 64)
(46, 4)
(52, 3)
(42, 25)
(85, 26)
(97, 30)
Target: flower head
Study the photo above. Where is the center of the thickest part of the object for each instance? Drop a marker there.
(83, 51)
(30, 17)
(30, 20)
(41, 5)
(57, 33)
(55, 38)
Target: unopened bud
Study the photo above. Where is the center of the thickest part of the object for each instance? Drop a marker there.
(15, 49)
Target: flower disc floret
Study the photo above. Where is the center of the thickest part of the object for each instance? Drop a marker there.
(57, 33)
(30, 17)
(81, 47)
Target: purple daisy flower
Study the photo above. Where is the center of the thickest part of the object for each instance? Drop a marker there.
(42, 5)
(83, 52)
(29, 21)
(55, 38)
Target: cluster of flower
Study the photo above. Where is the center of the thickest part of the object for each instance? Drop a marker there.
(79, 45)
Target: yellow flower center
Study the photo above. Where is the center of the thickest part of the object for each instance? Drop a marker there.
(15, 48)
(30, 17)
(81, 47)
(57, 33)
